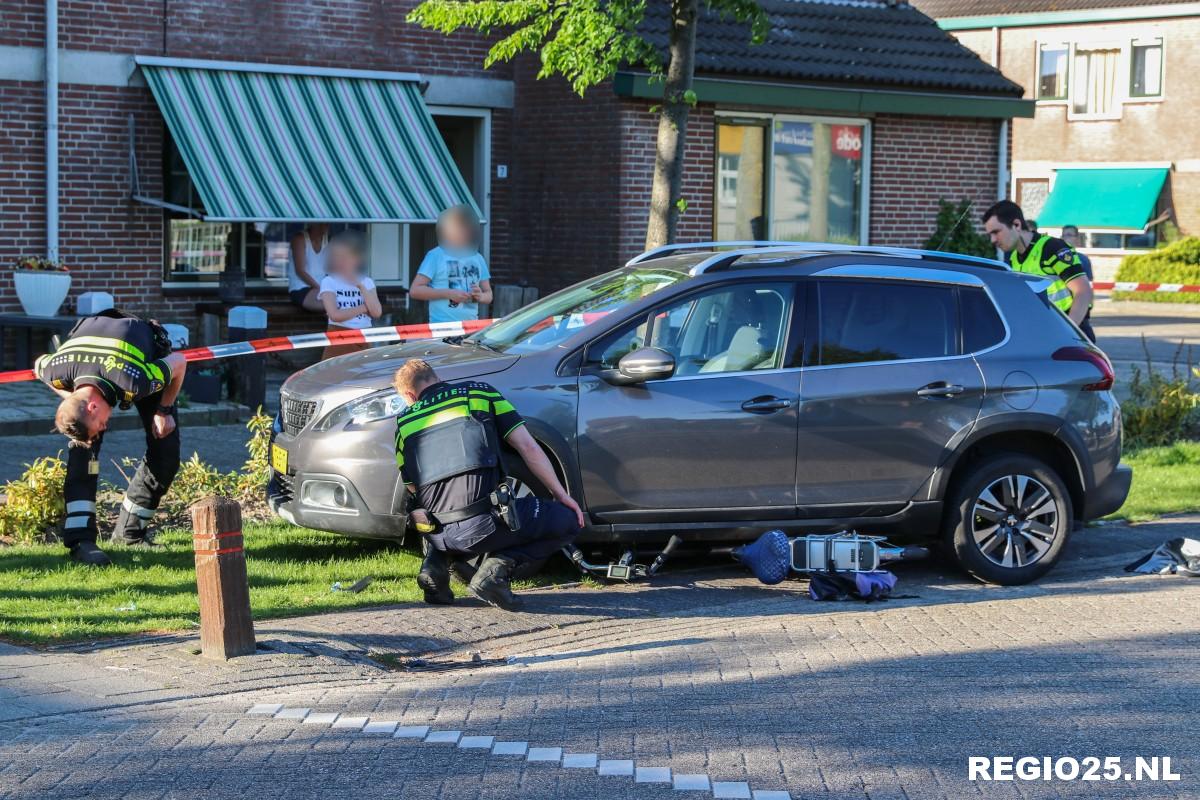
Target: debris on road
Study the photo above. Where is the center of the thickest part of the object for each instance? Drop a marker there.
(353, 588)
(1174, 557)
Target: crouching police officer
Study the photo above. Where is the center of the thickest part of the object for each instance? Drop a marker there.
(448, 450)
(110, 360)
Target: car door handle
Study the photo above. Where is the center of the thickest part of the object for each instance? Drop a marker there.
(940, 390)
(765, 405)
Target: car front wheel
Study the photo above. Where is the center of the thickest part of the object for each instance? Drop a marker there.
(1008, 519)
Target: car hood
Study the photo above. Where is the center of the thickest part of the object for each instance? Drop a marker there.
(373, 369)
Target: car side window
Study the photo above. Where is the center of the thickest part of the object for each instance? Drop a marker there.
(982, 326)
(863, 321)
(728, 329)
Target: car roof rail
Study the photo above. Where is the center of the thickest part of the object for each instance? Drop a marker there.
(744, 248)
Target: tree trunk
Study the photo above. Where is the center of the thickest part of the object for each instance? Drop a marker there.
(672, 125)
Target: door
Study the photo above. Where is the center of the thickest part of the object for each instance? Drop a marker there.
(885, 391)
(716, 438)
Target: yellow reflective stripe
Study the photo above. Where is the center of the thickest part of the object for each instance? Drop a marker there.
(107, 353)
(480, 404)
(458, 412)
(155, 371)
(503, 407)
(107, 341)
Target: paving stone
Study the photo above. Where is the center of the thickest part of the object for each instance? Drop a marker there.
(691, 783)
(476, 742)
(320, 718)
(292, 713)
(544, 754)
(579, 760)
(510, 748)
(731, 790)
(382, 726)
(653, 775)
(411, 732)
(771, 794)
(443, 737)
(615, 767)
(270, 709)
(352, 723)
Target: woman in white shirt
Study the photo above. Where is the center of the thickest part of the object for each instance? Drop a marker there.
(347, 294)
(306, 265)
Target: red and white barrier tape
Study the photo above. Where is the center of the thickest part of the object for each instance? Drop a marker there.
(275, 344)
(1123, 286)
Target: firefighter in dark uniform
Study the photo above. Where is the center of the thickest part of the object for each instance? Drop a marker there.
(1042, 254)
(114, 360)
(448, 450)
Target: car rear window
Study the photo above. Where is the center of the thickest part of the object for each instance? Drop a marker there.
(863, 321)
(982, 326)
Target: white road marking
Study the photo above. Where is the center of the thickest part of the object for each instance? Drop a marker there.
(721, 790)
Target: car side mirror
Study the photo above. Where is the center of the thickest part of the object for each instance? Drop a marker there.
(643, 364)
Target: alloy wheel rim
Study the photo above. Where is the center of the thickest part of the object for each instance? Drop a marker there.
(1015, 521)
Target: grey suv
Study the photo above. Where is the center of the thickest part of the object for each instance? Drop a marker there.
(715, 393)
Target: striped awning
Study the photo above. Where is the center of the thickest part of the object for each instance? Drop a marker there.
(268, 143)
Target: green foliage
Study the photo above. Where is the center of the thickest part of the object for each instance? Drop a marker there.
(955, 231)
(1178, 262)
(585, 41)
(1164, 481)
(34, 503)
(34, 506)
(1162, 408)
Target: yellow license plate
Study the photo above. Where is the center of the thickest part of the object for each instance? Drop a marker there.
(278, 459)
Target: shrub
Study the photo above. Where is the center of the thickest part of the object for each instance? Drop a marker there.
(35, 500)
(1178, 262)
(956, 232)
(34, 503)
(1162, 409)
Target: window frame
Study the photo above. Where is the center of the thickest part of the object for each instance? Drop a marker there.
(768, 119)
(1037, 73)
(794, 328)
(1120, 88)
(812, 317)
(1148, 41)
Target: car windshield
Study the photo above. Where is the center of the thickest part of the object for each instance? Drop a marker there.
(547, 322)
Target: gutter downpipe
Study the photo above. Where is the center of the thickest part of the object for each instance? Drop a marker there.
(51, 77)
(1002, 161)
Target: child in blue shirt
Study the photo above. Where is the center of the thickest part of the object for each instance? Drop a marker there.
(453, 277)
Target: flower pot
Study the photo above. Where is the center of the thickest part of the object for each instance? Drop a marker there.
(41, 292)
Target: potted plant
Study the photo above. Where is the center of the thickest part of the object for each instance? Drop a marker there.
(42, 285)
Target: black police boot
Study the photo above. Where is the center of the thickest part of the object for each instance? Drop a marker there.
(493, 583)
(434, 578)
(463, 569)
(88, 553)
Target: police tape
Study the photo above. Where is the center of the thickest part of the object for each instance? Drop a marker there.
(1123, 286)
(275, 344)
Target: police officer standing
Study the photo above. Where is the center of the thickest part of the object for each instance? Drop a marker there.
(1042, 254)
(107, 361)
(448, 450)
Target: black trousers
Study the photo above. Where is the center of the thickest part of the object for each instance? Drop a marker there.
(145, 492)
(546, 527)
(1086, 327)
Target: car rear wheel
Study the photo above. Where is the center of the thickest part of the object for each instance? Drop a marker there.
(1008, 519)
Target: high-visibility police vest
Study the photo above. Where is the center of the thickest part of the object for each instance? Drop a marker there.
(1037, 261)
(449, 433)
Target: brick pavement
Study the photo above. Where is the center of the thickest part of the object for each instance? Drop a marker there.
(736, 682)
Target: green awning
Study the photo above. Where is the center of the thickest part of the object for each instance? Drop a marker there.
(1107, 199)
(266, 143)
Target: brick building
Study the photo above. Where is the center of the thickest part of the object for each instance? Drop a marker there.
(848, 124)
(1112, 145)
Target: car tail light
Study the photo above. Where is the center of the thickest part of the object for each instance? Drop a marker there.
(1093, 357)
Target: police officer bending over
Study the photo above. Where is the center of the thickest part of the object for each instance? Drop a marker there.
(448, 450)
(109, 360)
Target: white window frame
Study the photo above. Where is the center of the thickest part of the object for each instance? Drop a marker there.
(1141, 41)
(732, 116)
(1037, 72)
(1120, 90)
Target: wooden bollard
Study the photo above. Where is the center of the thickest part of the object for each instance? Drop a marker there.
(226, 628)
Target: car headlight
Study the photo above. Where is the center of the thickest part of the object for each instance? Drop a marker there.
(372, 408)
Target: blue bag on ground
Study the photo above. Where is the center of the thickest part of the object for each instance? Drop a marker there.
(769, 556)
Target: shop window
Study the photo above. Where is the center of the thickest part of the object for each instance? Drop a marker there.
(1101, 240)
(1052, 72)
(789, 179)
(1094, 86)
(1146, 68)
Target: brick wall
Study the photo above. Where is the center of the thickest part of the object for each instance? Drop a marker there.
(917, 160)
(116, 245)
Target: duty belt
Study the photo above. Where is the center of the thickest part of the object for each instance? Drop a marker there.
(480, 506)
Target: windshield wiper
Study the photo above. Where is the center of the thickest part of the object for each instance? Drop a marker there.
(484, 345)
